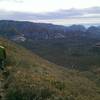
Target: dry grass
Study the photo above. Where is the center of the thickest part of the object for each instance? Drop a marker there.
(33, 78)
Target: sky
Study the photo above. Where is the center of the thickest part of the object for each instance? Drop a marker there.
(51, 11)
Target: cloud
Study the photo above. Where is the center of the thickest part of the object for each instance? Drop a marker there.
(93, 12)
(17, 1)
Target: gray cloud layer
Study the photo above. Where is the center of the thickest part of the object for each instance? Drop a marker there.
(93, 12)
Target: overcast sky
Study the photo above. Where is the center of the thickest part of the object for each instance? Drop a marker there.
(51, 11)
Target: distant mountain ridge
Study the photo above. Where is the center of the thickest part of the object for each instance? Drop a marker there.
(40, 31)
(29, 29)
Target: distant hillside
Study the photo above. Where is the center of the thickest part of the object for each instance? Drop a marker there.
(11, 29)
(29, 77)
(23, 30)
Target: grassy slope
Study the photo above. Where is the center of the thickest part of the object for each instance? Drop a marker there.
(30, 77)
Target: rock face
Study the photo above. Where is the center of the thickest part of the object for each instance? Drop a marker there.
(20, 38)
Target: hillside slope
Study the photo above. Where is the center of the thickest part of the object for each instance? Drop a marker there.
(29, 77)
(81, 54)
